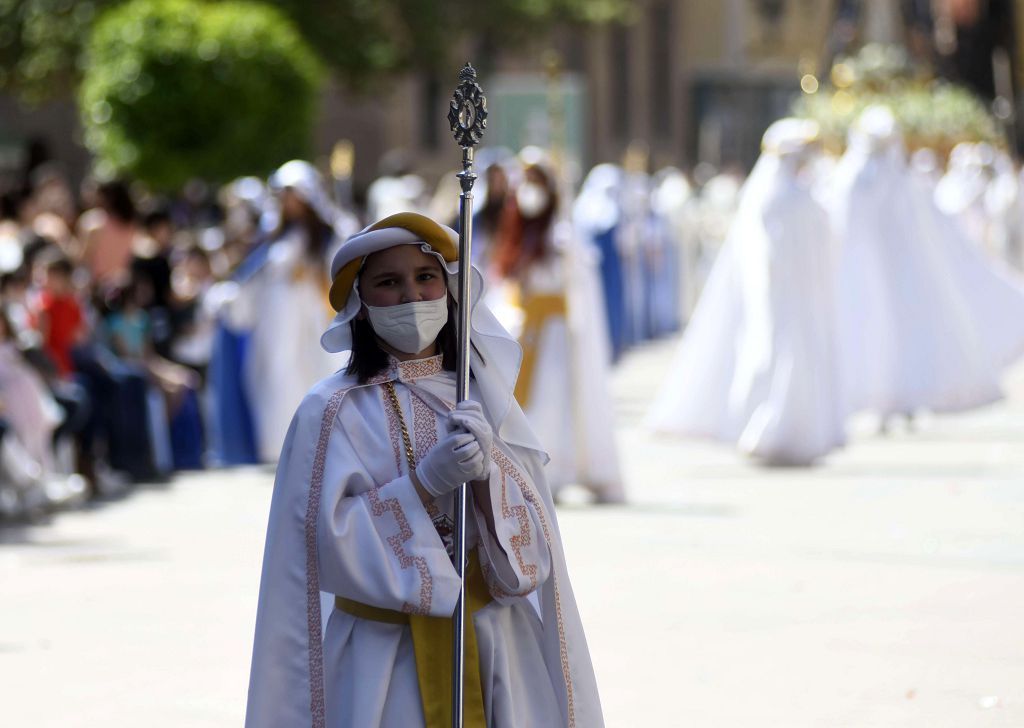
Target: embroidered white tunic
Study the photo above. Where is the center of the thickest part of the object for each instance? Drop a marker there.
(368, 537)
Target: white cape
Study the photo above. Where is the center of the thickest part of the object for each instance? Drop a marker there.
(345, 520)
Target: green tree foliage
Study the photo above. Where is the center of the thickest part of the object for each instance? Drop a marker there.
(362, 38)
(41, 40)
(40, 44)
(176, 89)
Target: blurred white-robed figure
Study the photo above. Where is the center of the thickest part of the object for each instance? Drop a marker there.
(981, 190)
(285, 305)
(756, 366)
(960, 191)
(992, 289)
(906, 340)
(676, 204)
(552, 275)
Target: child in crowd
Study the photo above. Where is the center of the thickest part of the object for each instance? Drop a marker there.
(58, 315)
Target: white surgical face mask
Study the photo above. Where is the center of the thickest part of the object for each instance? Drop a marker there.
(409, 327)
(532, 199)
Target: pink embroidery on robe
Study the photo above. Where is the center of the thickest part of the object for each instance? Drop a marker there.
(506, 464)
(313, 616)
(524, 538)
(397, 542)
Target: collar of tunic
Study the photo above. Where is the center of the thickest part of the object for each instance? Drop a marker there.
(408, 371)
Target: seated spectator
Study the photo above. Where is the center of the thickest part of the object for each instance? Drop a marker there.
(127, 327)
(194, 319)
(32, 416)
(173, 401)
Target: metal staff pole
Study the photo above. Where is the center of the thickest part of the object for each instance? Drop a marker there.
(467, 116)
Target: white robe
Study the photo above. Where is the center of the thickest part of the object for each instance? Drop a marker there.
(906, 336)
(980, 188)
(675, 201)
(346, 520)
(993, 291)
(569, 404)
(756, 366)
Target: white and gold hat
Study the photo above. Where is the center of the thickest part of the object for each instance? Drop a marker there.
(404, 228)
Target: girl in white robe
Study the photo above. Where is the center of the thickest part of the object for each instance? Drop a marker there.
(352, 520)
(756, 366)
(285, 306)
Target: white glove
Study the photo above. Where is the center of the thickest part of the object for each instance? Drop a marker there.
(457, 459)
(468, 416)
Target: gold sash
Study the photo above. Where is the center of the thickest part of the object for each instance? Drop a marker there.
(432, 645)
(537, 309)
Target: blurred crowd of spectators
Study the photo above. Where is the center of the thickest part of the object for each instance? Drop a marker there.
(104, 337)
(141, 335)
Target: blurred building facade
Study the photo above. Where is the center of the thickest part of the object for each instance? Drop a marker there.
(684, 82)
(691, 82)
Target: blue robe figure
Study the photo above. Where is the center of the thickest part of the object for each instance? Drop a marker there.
(611, 281)
(232, 434)
(662, 292)
(596, 216)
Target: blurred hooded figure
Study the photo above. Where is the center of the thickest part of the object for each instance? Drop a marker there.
(906, 338)
(992, 290)
(397, 189)
(757, 366)
(634, 241)
(284, 304)
(981, 190)
(668, 250)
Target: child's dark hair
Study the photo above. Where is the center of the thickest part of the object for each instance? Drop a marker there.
(59, 264)
(368, 359)
(117, 200)
(155, 217)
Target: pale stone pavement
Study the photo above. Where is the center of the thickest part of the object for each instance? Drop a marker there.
(885, 588)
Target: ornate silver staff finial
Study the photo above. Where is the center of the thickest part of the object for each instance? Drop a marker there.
(467, 112)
